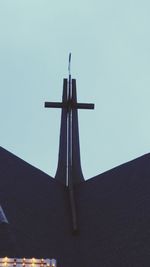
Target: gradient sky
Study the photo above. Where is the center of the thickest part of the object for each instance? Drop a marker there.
(110, 45)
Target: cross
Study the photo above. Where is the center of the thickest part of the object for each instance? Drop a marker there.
(69, 152)
(70, 104)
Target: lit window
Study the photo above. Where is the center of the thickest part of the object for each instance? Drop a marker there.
(23, 262)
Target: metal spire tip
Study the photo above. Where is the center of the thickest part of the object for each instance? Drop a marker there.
(69, 64)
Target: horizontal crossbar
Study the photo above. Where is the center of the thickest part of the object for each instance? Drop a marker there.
(69, 104)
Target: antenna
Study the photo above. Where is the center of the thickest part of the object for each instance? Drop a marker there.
(69, 64)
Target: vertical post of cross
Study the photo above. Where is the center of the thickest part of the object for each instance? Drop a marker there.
(70, 151)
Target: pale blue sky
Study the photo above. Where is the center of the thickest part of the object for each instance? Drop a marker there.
(110, 45)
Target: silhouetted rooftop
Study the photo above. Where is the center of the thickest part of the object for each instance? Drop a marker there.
(113, 211)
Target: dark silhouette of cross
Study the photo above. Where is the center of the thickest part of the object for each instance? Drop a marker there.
(69, 169)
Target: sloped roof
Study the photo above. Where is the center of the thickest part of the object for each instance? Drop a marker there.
(113, 212)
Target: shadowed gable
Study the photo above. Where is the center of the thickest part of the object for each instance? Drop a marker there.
(113, 212)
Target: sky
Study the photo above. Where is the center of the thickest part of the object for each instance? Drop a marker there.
(110, 45)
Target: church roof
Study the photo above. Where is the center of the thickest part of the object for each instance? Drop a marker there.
(113, 214)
